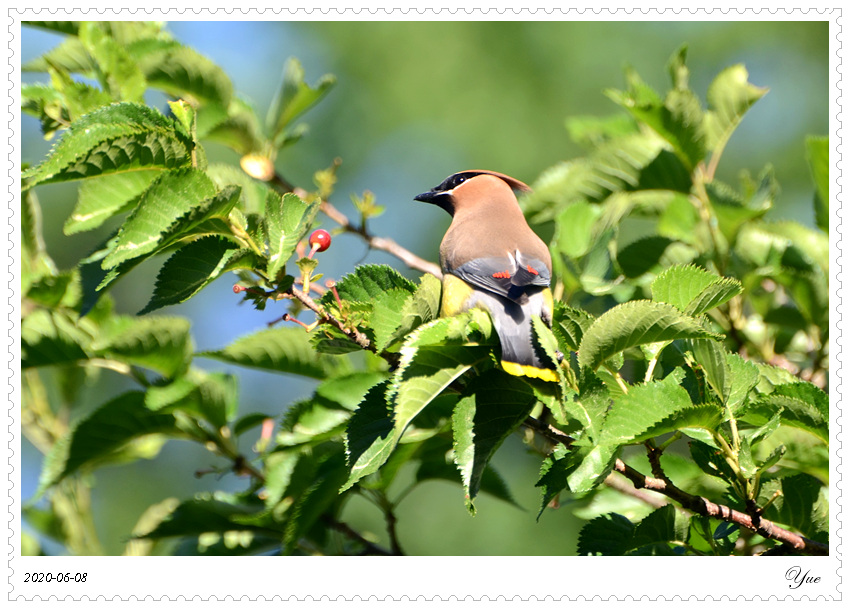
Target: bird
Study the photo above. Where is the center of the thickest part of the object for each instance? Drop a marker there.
(491, 259)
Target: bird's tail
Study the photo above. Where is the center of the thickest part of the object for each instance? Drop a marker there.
(520, 356)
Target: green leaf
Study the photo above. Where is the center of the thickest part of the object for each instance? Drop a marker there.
(176, 206)
(279, 350)
(432, 357)
(326, 473)
(310, 422)
(817, 153)
(193, 267)
(70, 55)
(184, 73)
(212, 396)
(294, 98)
(254, 193)
(96, 437)
(608, 535)
(635, 323)
(711, 460)
(240, 130)
(53, 337)
(803, 406)
(100, 199)
(204, 514)
(369, 438)
(570, 324)
(368, 282)
(287, 220)
(628, 163)
(677, 118)
(115, 68)
(802, 504)
(387, 314)
(574, 234)
(495, 406)
(118, 138)
(162, 344)
(693, 289)
(421, 308)
(666, 525)
(730, 95)
(731, 376)
(642, 255)
(647, 409)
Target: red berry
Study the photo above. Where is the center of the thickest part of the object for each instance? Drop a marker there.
(320, 240)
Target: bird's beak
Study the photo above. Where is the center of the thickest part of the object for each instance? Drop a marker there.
(427, 197)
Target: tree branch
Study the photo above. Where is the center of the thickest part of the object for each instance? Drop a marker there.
(704, 507)
(695, 503)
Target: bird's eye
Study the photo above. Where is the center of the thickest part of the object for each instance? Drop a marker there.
(459, 180)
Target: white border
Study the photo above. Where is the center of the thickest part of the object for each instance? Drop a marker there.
(427, 578)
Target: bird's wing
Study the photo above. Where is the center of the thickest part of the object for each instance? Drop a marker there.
(509, 276)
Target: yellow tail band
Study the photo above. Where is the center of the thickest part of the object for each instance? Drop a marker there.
(524, 370)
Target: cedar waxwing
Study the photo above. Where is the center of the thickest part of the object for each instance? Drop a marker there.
(493, 260)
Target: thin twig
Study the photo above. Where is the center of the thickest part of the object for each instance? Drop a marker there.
(353, 333)
(384, 244)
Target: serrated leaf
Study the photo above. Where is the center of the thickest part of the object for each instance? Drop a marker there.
(118, 138)
(627, 163)
(635, 323)
(664, 526)
(570, 324)
(495, 406)
(803, 406)
(369, 435)
(744, 376)
(648, 408)
(287, 220)
(193, 267)
(608, 535)
(173, 197)
(182, 72)
(730, 95)
(108, 428)
(99, 199)
(802, 504)
(387, 315)
(279, 350)
(677, 118)
(254, 193)
(714, 295)
(693, 289)
(420, 308)
(368, 282)
(424, 374)
(70, 55)
(817, 153)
